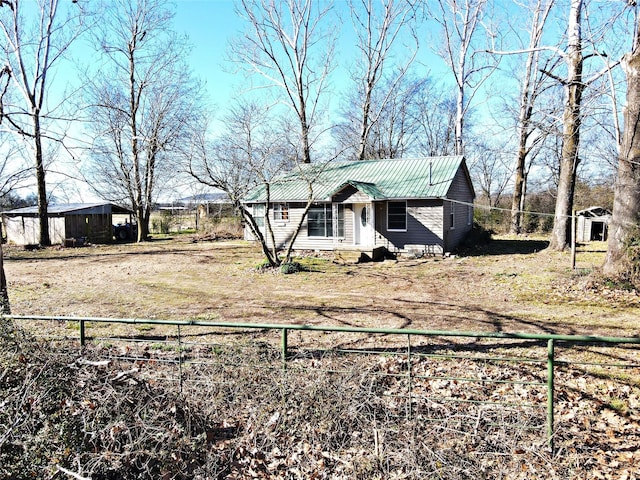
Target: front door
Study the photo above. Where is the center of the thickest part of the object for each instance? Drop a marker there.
(362, 224)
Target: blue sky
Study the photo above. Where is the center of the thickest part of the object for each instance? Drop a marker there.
(210, 24)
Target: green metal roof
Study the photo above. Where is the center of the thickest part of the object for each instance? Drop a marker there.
(411, 178)
(369, 188)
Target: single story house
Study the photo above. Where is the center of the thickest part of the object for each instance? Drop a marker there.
(401, 205)
(592, 224)
(92, 222)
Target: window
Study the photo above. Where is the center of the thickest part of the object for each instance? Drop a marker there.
(452, 217)
(339, 213)
(258, 214)
(320, 219)
(281, 212)
(397, 216)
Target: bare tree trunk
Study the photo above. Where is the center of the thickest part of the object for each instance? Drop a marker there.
(43, 210)
(5, 306)
(459, 146)
(459, 21)
(623, 251)
(527, 99)
(574, 87)
(518, 187)
(144, 215)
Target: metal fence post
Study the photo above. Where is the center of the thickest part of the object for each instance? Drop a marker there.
(82, 334)
(180, 358)
(550, 393)
(409, 376)
(285, 333)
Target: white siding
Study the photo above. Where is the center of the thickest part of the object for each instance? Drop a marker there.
(56, 229)
(26, 230)
(22, 230)
(283, 231)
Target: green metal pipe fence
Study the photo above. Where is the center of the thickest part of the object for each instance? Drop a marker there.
(552, 341)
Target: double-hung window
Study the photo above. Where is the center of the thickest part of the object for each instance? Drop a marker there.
(281, 212)
(258, 214)
(320, 220)
(397, 216)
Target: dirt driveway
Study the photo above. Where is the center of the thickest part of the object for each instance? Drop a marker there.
(514, 286)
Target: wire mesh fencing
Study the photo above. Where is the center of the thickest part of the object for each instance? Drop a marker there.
(550, 392)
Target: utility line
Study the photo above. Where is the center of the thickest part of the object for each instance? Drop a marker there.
(488, 207)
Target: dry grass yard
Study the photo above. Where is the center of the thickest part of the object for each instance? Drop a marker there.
(513, 286)
(325, 417)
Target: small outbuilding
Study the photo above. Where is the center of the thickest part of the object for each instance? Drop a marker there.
(71, 222)
(592, 224)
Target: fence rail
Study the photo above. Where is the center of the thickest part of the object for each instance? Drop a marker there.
(412, 353)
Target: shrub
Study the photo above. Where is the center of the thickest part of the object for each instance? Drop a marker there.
(478, 236)
(291, 267)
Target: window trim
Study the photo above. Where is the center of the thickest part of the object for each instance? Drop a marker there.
(389, 229)
(336, 220)
(258, 212)
(328, 217)
(281, 212)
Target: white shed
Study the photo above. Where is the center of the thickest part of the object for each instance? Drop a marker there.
(593, 224)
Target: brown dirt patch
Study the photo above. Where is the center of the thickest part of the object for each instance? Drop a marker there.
(513, 286)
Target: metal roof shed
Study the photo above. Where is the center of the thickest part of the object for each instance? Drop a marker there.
(90, 221)
(592, 224)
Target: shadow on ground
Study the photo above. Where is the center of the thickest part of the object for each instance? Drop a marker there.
(508, 247)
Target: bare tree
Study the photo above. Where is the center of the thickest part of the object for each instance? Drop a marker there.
(531, 86)
(252, 153)
(460, 22)
(288, 44)
(35, 41)
(436, 117)
(377, 29)
(401, 116)
(623, 248)
(5, 306)
(143, 105)
(13, 171)
(491, 171)
(574, 84)
(392, 132)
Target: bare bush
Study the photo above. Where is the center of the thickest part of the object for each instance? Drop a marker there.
(235, 412)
